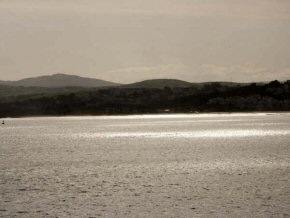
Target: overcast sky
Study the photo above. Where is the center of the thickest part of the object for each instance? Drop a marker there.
(132, 40)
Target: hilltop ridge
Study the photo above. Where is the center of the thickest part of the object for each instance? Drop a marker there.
(60, 80)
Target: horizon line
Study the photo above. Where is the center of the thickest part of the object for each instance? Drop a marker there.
(88, 77)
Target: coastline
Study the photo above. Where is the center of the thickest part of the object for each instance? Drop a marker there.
(155, 114)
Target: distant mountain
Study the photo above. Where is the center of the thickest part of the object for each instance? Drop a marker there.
(159, 83)
(63, 84)
(213, 97)
(60, 80)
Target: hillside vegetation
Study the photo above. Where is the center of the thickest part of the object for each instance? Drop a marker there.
(212, 97)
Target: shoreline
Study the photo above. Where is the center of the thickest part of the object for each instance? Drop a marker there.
(153, 114)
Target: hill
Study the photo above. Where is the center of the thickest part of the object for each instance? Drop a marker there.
(159, 84)
(213, 97)
(173, 83)
(64, 84)
(59, 80)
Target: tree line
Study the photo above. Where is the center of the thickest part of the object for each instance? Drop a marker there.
(212, 97)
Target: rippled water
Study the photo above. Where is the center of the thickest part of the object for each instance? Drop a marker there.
(204, 165)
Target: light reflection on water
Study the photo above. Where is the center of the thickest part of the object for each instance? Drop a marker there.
(154, 116)
(102, 159)
(187, 134)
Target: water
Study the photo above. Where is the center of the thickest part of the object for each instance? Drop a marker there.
(233, 165)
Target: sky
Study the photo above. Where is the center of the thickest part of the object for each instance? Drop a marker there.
(132, 40)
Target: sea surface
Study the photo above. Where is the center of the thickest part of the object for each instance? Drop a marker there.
(199, 165)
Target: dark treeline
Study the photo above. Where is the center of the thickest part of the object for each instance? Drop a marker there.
(213, 97)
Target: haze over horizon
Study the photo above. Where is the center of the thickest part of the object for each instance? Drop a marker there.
(132, 40)
(69, 76)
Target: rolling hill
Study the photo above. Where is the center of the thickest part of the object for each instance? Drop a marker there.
(159, 83)
(63, 84)
(59, 80)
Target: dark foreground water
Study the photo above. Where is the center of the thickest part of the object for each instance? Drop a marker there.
(211, 165)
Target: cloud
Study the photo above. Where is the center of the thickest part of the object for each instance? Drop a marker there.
(133, 74)
(210, 72)
(132, 40)
(266, 9)
(243, 73)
